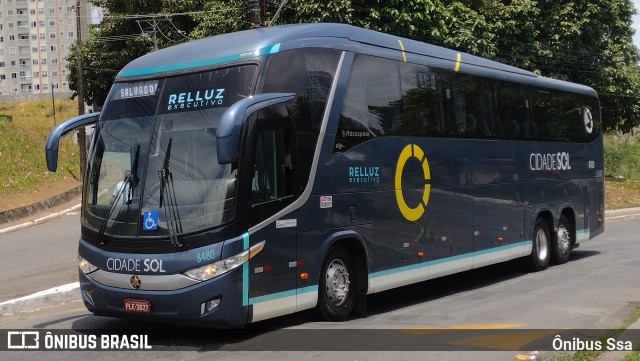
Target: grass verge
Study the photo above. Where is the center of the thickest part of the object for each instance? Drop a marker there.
(22, 140)
(613, 333)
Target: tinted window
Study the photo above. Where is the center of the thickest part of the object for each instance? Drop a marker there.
(423, 97)
(514, 112)
(473, 99)
(372, 103)
(547, 112)
(565, 117)
(309, 74)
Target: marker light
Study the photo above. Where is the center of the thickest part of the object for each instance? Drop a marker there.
(223, 266)
(85, 266)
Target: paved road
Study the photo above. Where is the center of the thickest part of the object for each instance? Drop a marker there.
(39, 257)
(598, 288)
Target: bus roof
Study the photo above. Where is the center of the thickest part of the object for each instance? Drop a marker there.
(247, 44)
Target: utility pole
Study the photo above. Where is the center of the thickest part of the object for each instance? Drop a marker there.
(153, 22)
(53, 104)
(82, 135)
(254, 13)
(155, 35)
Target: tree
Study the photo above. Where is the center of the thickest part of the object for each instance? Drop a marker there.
(123, 35)
(583, 41)
(587, 42)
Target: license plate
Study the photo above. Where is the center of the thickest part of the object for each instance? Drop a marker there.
(133, 305)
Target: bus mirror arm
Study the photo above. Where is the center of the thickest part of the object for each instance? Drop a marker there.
(51, 147)
(228, 135)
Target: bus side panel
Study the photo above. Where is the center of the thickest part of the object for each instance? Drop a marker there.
(272, 272)
(492, 224)
(401, 247)
(596, 207)
(450, 231)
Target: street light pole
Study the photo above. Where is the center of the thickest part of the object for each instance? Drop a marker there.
(82, 136)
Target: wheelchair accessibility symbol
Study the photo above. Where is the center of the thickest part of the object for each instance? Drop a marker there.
(150, 221)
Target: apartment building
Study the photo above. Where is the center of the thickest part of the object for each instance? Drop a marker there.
(35, 37)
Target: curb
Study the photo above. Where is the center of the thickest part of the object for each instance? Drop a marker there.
(70, 292)
(39, 300)
(620, 213)
(40, 220)
(31, 209)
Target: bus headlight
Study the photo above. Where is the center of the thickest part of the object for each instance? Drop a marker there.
(85, 266)
(223, 266)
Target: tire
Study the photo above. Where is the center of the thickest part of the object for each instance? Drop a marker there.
(335, 297)
(541, 253)
(561, 245)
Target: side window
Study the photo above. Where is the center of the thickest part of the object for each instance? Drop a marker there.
(514, 112)
(571, 128)
(273, 168)
(309, 73)
(372, 102)
(473, 103)
(423, 102)
(448, 90)
(547, 114)
(581, 121)
(591, 110)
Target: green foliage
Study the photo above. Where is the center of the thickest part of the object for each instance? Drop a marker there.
(622, 155)
(224, 17)
(22, 141)
(587, 42)
(119, 39)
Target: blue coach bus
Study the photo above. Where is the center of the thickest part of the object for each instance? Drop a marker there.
(255, 174)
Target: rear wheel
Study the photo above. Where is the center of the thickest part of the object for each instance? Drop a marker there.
(539, 258)
(561, 248)
(335, 299)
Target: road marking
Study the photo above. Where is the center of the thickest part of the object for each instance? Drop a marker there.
(513, 340)
(472, 326)
(48, 217)
(531, 356)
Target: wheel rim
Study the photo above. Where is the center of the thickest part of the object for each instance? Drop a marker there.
(542, 244)
(564, 239)
(337, 282)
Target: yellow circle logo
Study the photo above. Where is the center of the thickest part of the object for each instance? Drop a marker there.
(412, 214)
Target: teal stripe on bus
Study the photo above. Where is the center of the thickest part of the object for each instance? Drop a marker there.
(283, 294)
(245, 272)
(199, 63)
(446, 260)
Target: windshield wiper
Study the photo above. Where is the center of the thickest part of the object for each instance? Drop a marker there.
(128, 184)
(170, 209)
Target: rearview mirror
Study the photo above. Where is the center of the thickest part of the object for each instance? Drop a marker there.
(51, 147)
(228, 135)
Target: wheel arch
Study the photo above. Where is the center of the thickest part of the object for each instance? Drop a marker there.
(355, 245)
(547, 215)
(569, 213)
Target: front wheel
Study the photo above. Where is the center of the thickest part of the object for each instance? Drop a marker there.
(335, 299)
(539, 258)
(561, 248)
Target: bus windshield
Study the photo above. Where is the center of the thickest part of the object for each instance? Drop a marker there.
(153, 169)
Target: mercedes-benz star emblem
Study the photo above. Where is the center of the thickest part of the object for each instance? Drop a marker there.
(135, 282)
